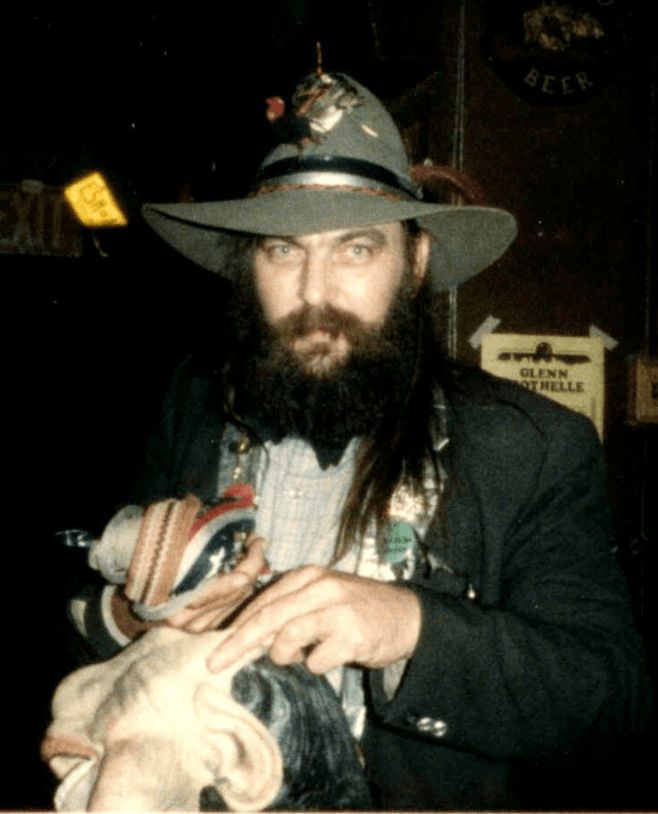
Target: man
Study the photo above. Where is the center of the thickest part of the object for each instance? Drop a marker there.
(509, 644)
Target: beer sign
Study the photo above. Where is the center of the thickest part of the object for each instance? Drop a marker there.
(556, 53)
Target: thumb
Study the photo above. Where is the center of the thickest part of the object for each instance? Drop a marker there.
(254, 560)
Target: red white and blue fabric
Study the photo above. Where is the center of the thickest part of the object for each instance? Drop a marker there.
(181, 545)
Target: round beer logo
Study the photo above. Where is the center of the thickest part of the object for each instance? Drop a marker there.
(555, 53)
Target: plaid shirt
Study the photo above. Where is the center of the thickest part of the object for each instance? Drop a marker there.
(299, 504)
(299, 509)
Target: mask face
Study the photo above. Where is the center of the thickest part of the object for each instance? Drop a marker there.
(152, 727)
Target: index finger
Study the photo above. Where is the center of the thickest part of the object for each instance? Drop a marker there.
(261, 626)
(284, 585)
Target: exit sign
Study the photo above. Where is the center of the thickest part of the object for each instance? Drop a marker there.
(36, 219)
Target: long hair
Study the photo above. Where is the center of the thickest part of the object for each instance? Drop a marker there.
(399, 446)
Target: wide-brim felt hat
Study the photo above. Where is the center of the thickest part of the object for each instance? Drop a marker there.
(340, 164)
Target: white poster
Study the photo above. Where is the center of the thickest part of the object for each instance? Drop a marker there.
(567, 369)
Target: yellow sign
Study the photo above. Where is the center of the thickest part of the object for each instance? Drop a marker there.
(567, 369)
(93, 202)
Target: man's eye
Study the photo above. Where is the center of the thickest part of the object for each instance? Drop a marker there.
(357, 251)
(279, 251)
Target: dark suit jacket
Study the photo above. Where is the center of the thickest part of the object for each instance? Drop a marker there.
(528, 657)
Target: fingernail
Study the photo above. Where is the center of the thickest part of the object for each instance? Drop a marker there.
(215, 665)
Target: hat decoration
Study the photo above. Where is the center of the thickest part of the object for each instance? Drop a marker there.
(340, 164)
(317, 105)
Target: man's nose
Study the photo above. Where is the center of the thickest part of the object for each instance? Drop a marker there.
(315, 284)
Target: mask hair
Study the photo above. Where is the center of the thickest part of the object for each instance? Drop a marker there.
(321, 767)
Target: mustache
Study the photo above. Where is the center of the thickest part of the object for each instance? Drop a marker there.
(309, 319)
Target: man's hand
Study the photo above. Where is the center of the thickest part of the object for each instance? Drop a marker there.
(224, 594)
(343, 618)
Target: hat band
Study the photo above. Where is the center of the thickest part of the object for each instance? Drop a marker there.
(332, 172)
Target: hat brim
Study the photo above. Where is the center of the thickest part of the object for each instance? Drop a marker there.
(467, 239)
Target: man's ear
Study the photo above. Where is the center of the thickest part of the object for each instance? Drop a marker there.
(422, 256)
(246, 758)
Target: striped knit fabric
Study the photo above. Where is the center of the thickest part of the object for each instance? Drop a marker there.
(181, 544)
(162, 540)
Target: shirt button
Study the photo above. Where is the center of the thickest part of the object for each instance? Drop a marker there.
(424, 724)
(432, 726)
(470, 593)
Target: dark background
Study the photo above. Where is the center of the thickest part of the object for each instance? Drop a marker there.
(171, 103)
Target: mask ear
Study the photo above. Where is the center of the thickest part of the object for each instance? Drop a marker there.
(246, 758)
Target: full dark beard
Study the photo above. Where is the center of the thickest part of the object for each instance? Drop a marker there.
(291, 393)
